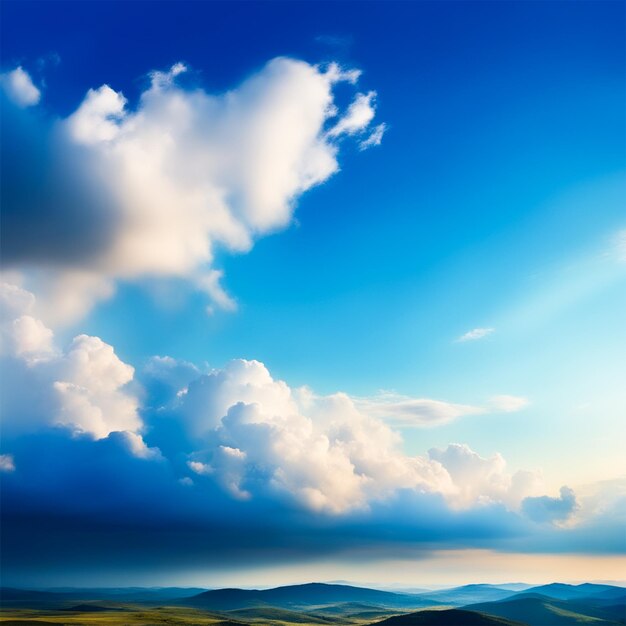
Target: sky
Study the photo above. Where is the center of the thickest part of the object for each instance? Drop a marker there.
(301, 291)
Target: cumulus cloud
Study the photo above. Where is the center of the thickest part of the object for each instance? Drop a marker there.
(316, 473)
(84, 388)
(544, 509)
(19, 87)
(483, 480)
(258, 437)
(475, 334)
(121, 192)
(238, 426)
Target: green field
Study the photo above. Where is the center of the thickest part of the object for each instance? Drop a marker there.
(121, 615)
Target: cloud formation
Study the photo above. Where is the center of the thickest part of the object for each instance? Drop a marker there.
(255, 436)
(259, 437)
(544, 509)
(156, 189)
(475, 334)
(241, 462)
(407, 411)
(19, 86)
(84, 389)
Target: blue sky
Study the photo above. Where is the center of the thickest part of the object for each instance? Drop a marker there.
(494, 201)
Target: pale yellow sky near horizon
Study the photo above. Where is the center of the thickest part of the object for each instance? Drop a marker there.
(443, 568)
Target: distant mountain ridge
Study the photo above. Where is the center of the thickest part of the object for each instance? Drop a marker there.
(311, 594)
(539, 610)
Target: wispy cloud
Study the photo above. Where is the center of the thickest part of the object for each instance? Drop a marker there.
(408, 411)
(475, 334)
(620, 245)
(508, 404)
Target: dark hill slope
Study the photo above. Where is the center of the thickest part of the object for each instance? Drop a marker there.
(538, 611)
(299, 596)
(450, 617)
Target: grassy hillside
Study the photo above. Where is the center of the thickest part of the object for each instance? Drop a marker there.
(543, 611)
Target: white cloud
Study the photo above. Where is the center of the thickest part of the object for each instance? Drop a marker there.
(408, 411)
(476, 333)
(98, 118)
(483, 480)
(19, 86)
(31, 336)
(83, 389)
(90, 388)
(375, 137)
(360, 113)
(177, 177)
(508, 404)
(7, 464)
(252, 434)
(330, 453)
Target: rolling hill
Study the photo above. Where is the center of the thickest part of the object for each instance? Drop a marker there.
(450, 617)
(561, 591)
(537, 610)
(302, 596)
(469, 593)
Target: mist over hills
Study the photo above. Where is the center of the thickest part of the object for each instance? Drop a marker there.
(322, 604)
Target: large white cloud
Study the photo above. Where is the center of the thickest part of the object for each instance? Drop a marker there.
(173, 179)
(331, 453)
(254, 435)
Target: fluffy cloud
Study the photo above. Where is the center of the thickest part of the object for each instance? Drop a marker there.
(84, 389)
(258, 437)
(478, 479)
(546, 509)
(238, 427)
(120, 193)
(475, 334)
(19, 87)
